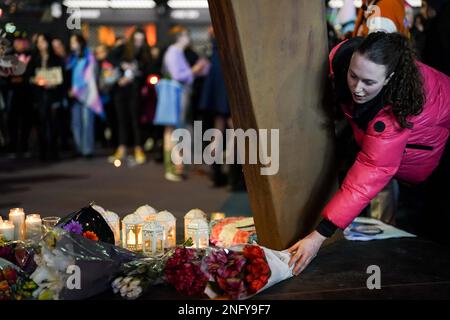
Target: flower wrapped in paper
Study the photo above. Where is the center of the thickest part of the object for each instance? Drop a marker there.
(242, 271)
(72, 267)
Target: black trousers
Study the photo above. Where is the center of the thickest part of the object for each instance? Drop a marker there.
(425, 209)
(48, 133)
(127, 105)
(20, 119)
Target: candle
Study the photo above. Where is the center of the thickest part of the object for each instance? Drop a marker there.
(7, 230)
(33, 227)
(191, 215)
(217, 216)
(17, 217)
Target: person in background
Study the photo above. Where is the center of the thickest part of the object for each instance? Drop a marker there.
(19, 105)
(437, 44)
(64, 113)
(86, 100)
(47, 95)
(135, 62)
(381, 15)
(107, 78)
(176, 67)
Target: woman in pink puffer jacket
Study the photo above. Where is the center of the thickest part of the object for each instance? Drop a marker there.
(399, 111)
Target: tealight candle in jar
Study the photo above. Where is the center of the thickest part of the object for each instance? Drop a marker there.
(132, 232)
(191, 215)
(7, 230)
(168, 221)
(17, 217)
(198, 231)
(33, 227)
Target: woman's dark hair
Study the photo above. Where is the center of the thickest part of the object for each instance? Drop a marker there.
(404, 92)
(51, 53)
(131, 50)
(81, 41)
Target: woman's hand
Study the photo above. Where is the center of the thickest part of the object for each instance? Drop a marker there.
(304, 251)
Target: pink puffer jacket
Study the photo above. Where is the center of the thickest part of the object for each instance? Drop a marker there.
(387, 151)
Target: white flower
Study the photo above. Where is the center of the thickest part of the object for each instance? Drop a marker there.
(127, 280)
(135, 283)
(138, 291)
(124, 290)
(117, 281)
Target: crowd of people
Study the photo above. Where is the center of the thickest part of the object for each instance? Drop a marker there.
(79, 100)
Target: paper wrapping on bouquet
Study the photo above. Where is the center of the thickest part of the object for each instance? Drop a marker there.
(89, 223)
(233, 231)
(72, 267)
(278, 265)
(15, 284)
(169, 99)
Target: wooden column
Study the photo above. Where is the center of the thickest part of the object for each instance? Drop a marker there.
(274, 57)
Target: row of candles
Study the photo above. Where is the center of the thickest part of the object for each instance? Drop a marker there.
(21, 227)
(145, 230)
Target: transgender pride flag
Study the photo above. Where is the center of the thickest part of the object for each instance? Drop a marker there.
(84, 85)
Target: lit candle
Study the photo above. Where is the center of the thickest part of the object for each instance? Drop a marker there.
(191, 215)
(217, 216)
(17, 217)
(7, 230)
(33, 227)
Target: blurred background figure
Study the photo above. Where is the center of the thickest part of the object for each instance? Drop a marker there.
(177, 67)
(214, 103)
(64, 114)
(19, 104)
(47, 95)
(134, 63)
(86, 100)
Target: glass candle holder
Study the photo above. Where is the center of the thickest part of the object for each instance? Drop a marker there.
(191, 215)
(7, 230)
(17, 217)
(198, 231)
(132, 233)
(168, 221)
(153, 238)
(48, 223)
(146, 212)
(33, 227)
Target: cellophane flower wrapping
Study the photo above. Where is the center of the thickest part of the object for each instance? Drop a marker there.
(72, 267)
(242, 271)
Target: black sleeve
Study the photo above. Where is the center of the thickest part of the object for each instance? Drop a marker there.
(326, 228)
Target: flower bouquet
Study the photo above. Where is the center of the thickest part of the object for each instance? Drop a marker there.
(242, 271)
(138, 275)
(14, 283)
(90, 223)
(71, 266)
(19, 253)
